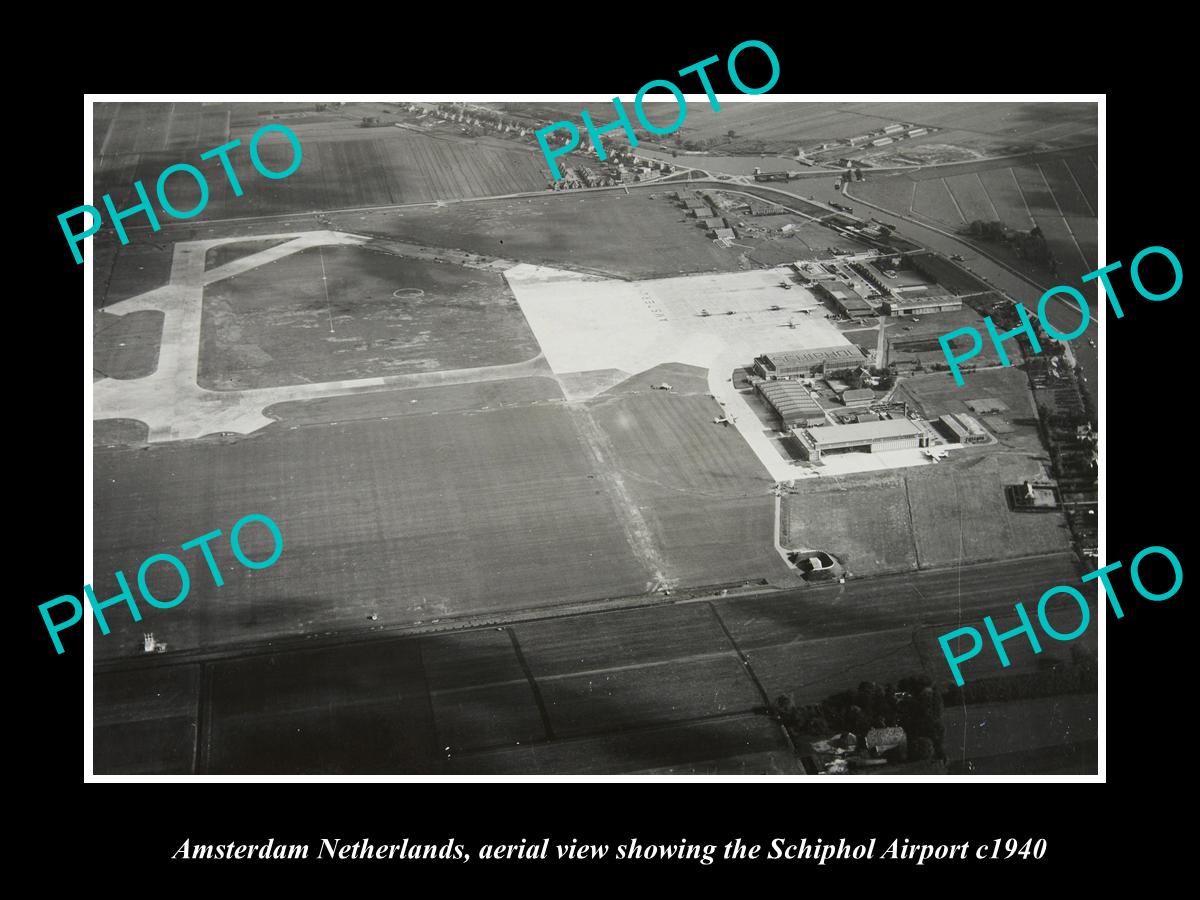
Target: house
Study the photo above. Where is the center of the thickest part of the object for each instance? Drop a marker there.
(883, 740)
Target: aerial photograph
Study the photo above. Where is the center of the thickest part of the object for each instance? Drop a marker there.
(656, 468)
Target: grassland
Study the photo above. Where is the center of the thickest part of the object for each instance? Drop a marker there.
(348, 312)
(121, 272)
(960, 513)
(624, 235)
(933, 516)
(410, 518)
(424, 401)
(126, 346)
(863, 520)
(909, 340)
(227, 253)
(698, 485)
(814, 643)
(936, 395)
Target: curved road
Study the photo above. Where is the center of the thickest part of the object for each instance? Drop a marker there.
(1064, 316)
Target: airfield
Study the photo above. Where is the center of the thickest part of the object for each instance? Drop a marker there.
(506, 548)
(595, 331)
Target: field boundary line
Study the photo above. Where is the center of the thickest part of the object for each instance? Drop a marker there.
(751, 674)
(533, 685)
(1062, 215)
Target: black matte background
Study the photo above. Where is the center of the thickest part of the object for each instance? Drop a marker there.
(119, 834)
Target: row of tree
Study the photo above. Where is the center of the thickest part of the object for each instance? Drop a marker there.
(914, 704)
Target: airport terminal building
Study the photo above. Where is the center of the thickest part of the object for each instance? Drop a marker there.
(915, 306)
(804, 363)
(862, 437)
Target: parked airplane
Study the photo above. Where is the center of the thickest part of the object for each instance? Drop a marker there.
(724, 420)
(936, 455)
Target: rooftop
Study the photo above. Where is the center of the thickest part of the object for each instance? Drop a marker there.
(864, 431)
(847, 352)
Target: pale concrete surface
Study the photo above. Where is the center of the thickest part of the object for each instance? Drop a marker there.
(586, 323)
(175, 407)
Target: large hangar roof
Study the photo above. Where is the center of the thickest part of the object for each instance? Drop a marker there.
(864, 431)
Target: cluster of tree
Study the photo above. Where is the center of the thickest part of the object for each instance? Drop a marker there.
(1080, 677)
(988, 231)
(1029, 244)
(914, 704)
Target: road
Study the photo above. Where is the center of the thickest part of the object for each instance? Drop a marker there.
(823, 188)
(1063, 315)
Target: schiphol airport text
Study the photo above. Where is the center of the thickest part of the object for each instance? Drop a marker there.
(904, 850)
(1026, 327)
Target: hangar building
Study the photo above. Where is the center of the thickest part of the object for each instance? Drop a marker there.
(847, 301)
(863, 437)
(803, 363)
(961, 428)
(791, 402)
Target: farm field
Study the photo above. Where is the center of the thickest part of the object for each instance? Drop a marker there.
(617, 691)
(342, 165)
(613, 691)
(409, 518)
(1056, 192)
(122, 129)
(808, 671)
(933, 200)
(618, 234)
(1062, 613)
(145, 721)
(990, 730)
(986, 129)
(332, 313)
